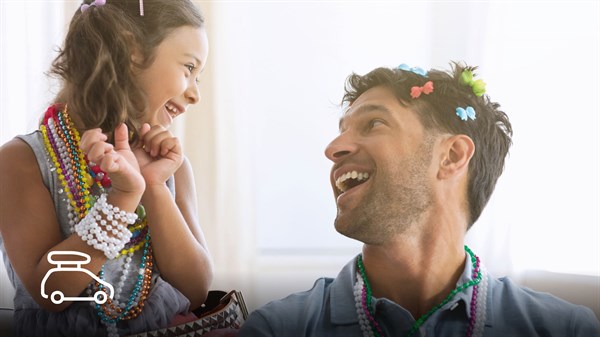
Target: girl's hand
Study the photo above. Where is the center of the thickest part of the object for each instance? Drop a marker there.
(159, 155)
(117, 161)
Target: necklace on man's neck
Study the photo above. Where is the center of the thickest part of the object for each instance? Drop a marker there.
(366, 313)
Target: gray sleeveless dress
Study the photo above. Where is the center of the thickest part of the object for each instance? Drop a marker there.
(81, 318)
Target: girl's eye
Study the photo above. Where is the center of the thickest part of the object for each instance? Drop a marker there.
(190, 67)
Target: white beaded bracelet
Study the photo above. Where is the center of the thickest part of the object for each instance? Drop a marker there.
(105, 227)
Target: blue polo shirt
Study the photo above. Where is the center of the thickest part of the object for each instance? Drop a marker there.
(328, 309)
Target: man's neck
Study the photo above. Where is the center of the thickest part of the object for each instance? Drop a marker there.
(415, 273)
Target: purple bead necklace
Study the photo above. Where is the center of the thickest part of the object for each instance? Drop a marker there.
(366, 314)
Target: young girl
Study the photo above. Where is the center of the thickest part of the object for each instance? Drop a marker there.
(103, 176)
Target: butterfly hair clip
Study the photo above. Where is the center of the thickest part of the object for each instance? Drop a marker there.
(478, 86)
(416, 70)
(97, 3)
(466, 113)
(426, 89)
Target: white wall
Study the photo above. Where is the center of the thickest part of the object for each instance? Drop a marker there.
(278, 73)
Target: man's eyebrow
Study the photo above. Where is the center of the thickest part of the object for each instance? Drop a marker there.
(363, 109)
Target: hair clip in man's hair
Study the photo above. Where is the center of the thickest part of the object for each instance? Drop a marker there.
(97, 3)
(466, 113)
(478, 86)
(426, 89)
(416, 70)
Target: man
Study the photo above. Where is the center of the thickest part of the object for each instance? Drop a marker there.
(416, 161)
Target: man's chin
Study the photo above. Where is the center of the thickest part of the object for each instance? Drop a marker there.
(348, 228)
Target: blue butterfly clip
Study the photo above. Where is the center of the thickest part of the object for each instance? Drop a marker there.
(465, 114)
(416, 70)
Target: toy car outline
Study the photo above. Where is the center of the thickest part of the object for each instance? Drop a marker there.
(57, 296)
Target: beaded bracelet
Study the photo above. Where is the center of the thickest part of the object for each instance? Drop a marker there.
(105, 227)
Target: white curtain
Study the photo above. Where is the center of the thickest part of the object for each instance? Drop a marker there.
(30, 33)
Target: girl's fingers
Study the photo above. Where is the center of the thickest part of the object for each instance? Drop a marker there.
(146, 134)
(152, 131)
(168, 145)
(98, 150)
(154, 138)
(156, 141)
(144, 129)
(121, 137)
(110, 162)
(90, 137)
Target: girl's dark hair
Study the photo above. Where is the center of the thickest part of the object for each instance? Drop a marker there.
(491, 131)
(95, 63)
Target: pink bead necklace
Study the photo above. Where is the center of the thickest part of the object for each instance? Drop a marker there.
(79, 180)
(366, 313)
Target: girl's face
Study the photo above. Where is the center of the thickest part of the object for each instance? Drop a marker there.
(170, 83)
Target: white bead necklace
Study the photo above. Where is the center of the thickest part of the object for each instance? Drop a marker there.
(478, 307)
(64, 164)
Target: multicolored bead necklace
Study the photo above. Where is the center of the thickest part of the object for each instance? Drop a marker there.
(79, 181)
(366, 313)
(62, 142)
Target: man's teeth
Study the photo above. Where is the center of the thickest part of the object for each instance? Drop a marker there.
(342, 184)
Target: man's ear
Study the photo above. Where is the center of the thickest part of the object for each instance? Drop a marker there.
(458, 151)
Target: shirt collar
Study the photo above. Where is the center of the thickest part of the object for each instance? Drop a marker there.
(466, 294)
(343, 310)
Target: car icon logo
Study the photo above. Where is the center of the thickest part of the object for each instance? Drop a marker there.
(63, 266)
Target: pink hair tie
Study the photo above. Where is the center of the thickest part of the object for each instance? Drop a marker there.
(97, 3)
(426, 89)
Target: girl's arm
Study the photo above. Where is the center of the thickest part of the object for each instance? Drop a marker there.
(180, 249)
(178, 244)
(30, 228)
(29, 223)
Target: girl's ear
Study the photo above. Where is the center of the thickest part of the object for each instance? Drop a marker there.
(459, 150)
(136, 56)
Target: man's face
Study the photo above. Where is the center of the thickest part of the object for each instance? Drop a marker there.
(381, 170)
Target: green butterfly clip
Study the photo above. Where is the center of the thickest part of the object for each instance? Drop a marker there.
(478, 86)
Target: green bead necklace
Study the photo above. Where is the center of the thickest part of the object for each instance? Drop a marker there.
(370, 314)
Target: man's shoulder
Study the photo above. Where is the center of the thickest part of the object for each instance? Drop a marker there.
(310, 300)
(519, 297)
(295, 314)
(520, 308)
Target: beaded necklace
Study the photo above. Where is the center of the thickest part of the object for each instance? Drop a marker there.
(366, 313)
(82, 182)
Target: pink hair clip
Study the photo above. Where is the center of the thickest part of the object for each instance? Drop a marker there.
(426, 89)
(141, 7)
(97, 3)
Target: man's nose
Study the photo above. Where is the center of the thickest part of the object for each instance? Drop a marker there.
(341, 147)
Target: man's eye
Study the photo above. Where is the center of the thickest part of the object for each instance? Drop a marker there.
(375, 122)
